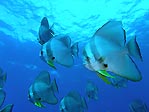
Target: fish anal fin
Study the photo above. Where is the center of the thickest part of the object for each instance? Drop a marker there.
(125, 67)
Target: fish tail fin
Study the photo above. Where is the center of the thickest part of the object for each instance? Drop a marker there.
(133, 48)
(51, 30)
(54, 86)
(75, 49)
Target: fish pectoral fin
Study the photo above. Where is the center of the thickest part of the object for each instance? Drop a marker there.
(39, 104)
(104, 73)
(51, 64)
(104, 78)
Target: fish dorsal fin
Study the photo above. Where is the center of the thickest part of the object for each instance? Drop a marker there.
(133, 48)
(2, 96)
(113, 32)
(66, 40)
(7, 108)
(45, 23)
(44, 77)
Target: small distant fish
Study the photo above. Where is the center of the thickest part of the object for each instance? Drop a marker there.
(60, 50)
(107, 51)
(73, 102)
(7, 108)
(138, 106)
(92, 91)
(119, 82)
(42, 90)
(45, 33)
(3, 78)
(2, 96)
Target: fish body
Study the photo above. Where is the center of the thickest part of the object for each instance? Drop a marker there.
(92, 91)
(73, 102)
(108, 51)
(59, 50)
(45, 32)
(138, 106)
(42, 90)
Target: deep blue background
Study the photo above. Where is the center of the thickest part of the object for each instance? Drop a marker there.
(15, 55)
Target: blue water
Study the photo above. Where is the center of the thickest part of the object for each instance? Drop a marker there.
(19, 52)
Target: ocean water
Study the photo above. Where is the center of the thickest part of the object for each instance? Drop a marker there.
(19, 49)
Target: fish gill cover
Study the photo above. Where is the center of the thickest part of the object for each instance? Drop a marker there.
(20, 22)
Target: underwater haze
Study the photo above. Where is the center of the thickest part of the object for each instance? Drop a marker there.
(19, 49)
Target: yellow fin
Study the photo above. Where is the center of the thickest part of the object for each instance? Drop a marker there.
(105, 73)
(38, 104)
(50, 63)
(104, 78)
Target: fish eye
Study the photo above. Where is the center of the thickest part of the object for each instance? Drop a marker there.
(53, 58)
(29, 96)
(105, 65)
(39, 98)
(41, 52)
(89, 96)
